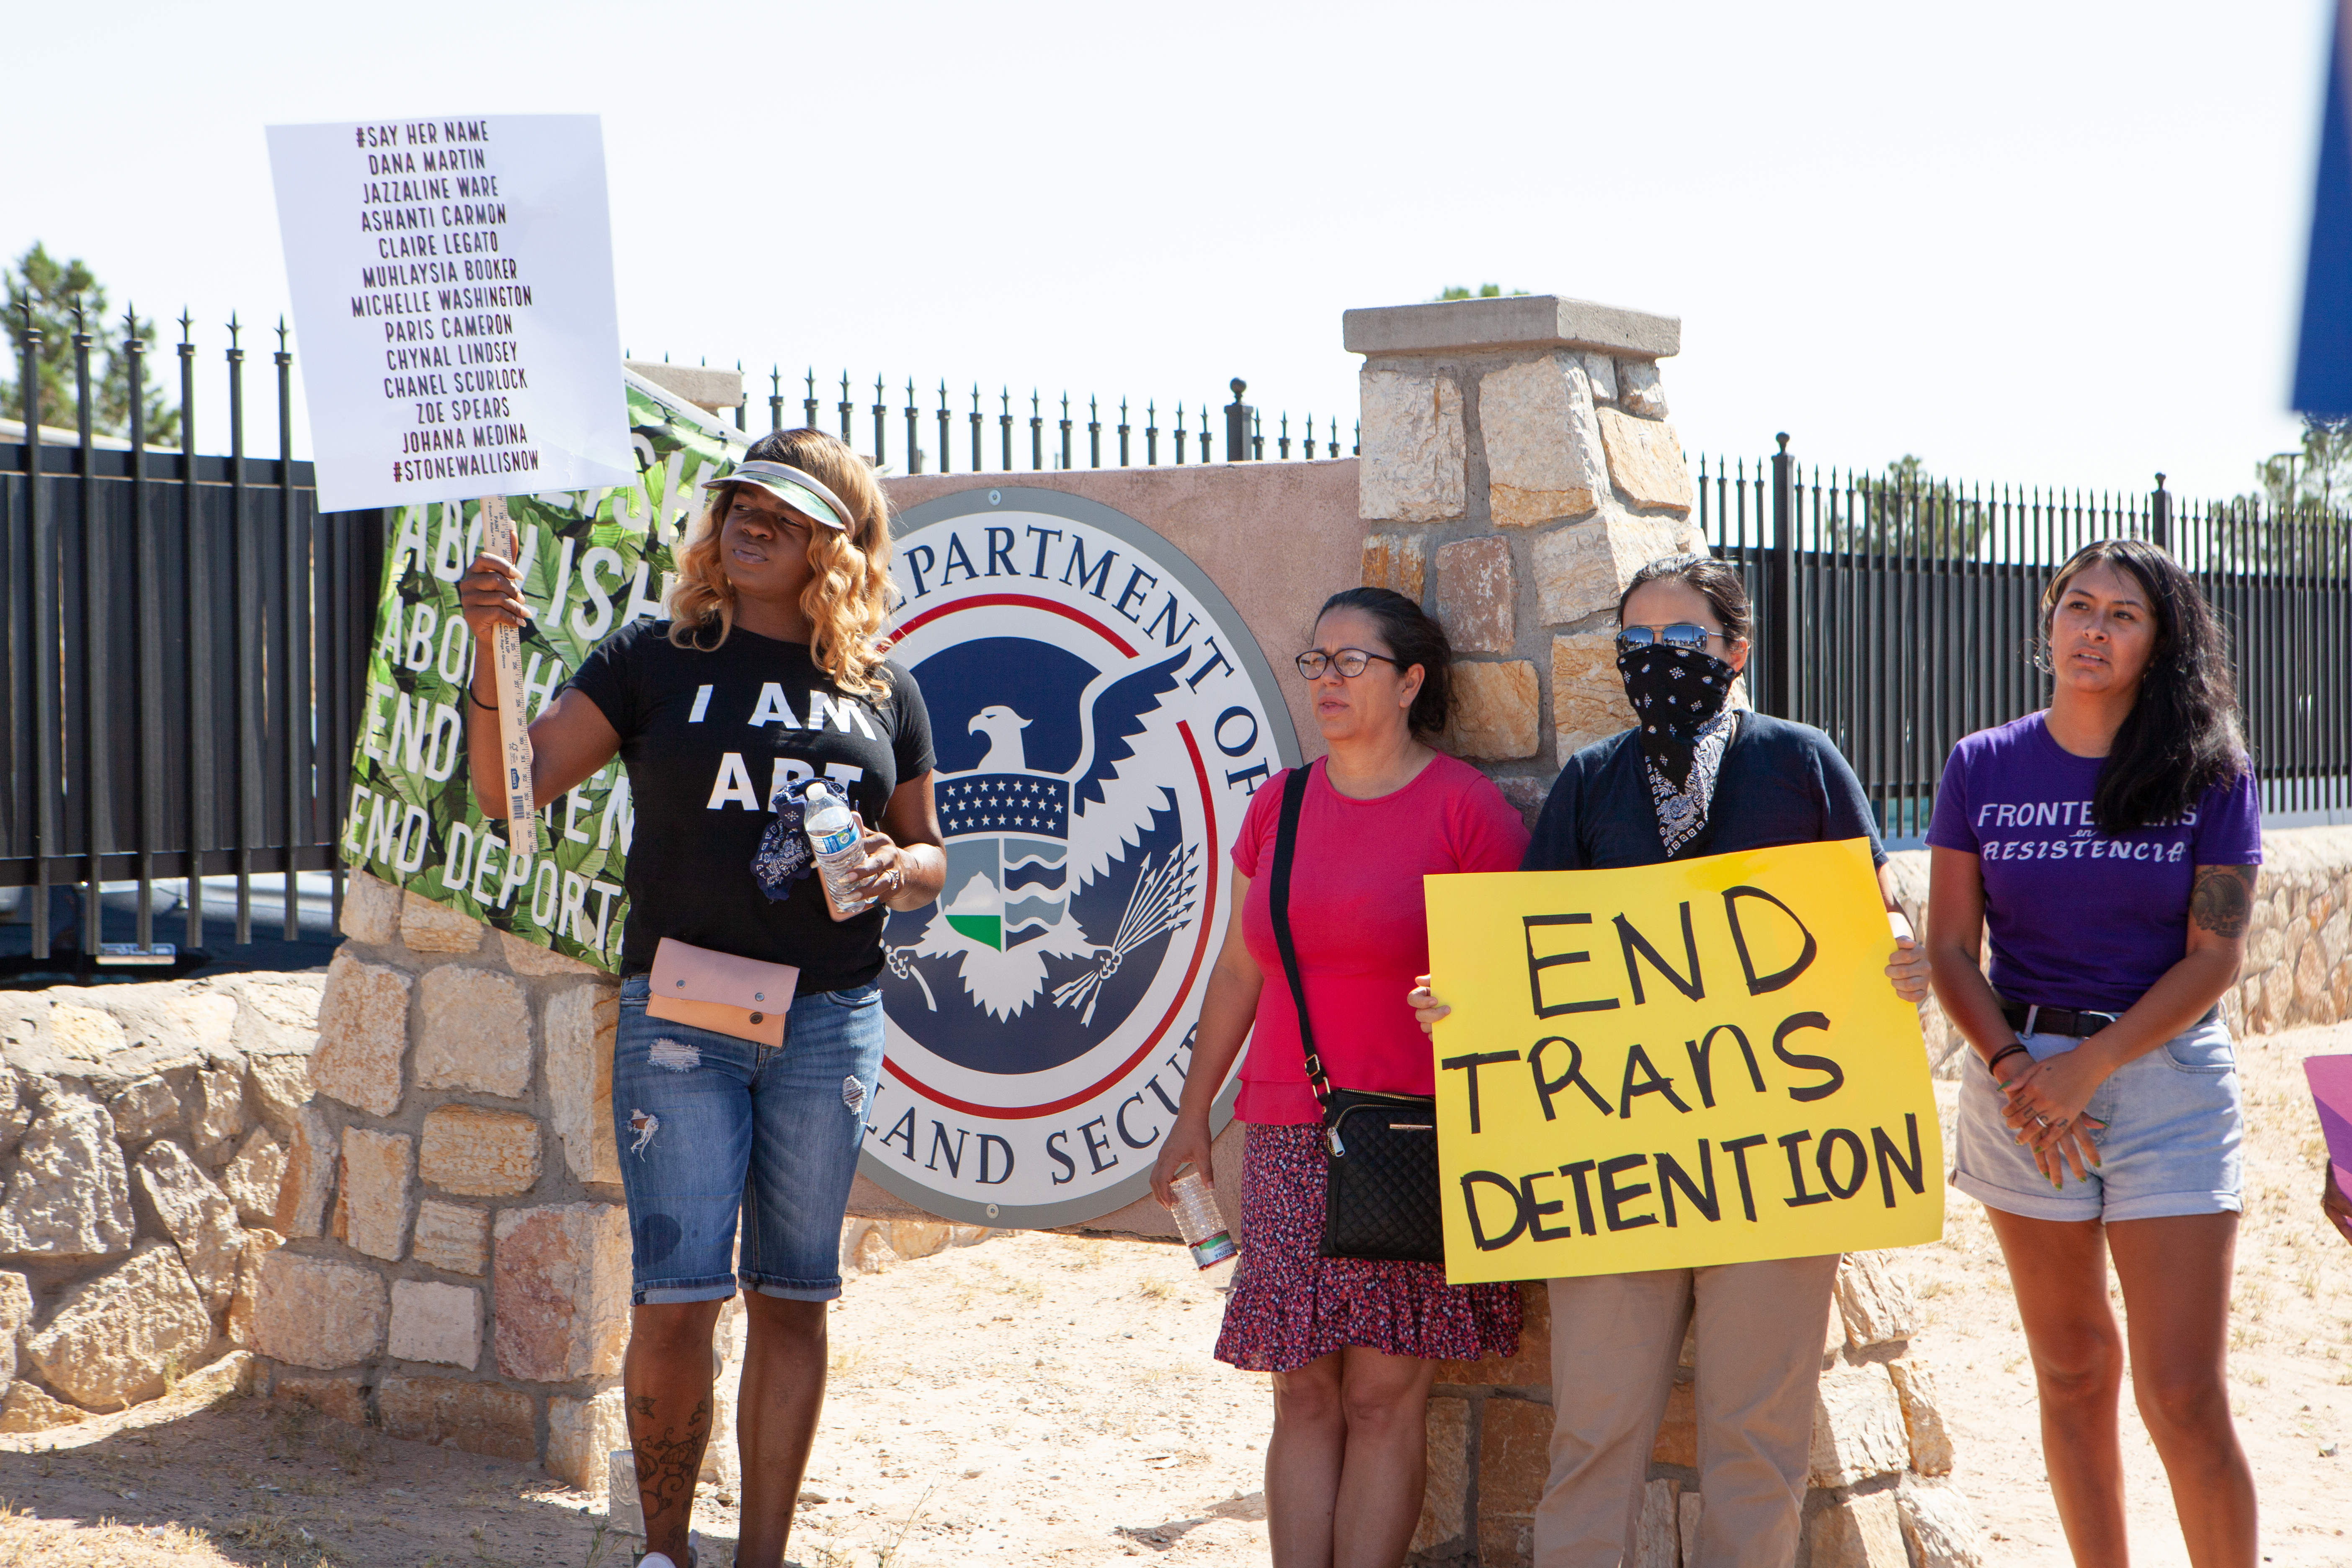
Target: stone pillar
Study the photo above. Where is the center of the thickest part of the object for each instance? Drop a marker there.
(456, 1260)
(712, 391)
(1517, 468)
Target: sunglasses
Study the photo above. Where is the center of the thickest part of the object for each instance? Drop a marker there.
(1681, 635)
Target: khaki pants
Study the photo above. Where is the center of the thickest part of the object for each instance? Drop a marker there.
(1615, 1338)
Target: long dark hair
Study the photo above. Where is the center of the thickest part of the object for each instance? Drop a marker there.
(2181, 736)
(1414, 637)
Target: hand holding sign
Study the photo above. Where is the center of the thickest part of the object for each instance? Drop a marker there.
(506, 668)
(1688, 1064)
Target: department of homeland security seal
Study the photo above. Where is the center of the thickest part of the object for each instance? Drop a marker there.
(1101, 715)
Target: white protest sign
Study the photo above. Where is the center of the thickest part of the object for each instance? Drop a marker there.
(453, 294)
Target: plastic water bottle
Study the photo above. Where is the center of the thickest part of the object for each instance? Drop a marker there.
(1202, 1223)
(833, 839)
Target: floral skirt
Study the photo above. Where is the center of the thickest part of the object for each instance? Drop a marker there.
(1289, 1306)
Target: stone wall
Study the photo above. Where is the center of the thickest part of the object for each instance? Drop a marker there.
(145, 1128)
(451, 1248)
(454, 1256)
(2298, 966)
(1880, 1450)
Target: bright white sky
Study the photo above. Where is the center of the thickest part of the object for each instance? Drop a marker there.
(2055, 244)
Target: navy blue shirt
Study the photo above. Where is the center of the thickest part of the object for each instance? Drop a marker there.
(1780, 782)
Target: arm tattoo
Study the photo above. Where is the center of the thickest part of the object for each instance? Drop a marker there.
(669, 1464)
(2222, 902)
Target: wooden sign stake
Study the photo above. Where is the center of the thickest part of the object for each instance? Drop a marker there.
(514, 729)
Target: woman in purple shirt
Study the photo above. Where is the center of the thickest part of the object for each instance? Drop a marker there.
(2109, 845)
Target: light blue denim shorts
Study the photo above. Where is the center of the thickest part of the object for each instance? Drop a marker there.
(2170, 1146)
(709, 1126)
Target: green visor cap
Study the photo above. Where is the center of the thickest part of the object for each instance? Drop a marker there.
(802, 492)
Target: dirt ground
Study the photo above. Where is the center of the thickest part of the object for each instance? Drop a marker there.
(1048, 1399)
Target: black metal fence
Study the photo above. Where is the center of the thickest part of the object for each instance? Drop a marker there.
(182, 649)
(182, 639)
(1900, 614)
(994, 437)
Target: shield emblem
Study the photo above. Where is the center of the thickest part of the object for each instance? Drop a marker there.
(1008, 844)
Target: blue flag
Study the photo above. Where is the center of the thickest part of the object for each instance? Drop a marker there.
(2323, 370)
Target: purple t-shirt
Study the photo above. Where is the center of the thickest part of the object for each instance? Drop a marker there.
(2077, 918)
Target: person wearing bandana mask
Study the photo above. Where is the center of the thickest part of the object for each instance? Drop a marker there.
(1697, 774)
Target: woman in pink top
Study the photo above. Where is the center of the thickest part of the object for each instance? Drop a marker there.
(1353, 1344)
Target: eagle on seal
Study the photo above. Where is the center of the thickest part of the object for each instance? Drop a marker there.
(1022, 843)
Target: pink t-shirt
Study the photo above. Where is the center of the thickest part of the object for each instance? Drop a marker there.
(1356, 917)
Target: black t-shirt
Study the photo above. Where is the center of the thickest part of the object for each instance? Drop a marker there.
(706, 738)
(1779, 784)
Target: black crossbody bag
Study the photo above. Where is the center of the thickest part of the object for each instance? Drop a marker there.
(1379, 1184)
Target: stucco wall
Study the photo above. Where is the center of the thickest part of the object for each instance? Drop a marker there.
(1278, 539)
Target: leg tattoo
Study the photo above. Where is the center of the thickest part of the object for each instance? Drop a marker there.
(669, 1464)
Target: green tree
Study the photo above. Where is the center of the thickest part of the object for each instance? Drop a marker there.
(2320, 474)
(2300, 520)
(1484, 291)
(1905, 508)
(55, 289)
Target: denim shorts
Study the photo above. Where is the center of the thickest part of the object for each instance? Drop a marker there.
(708, 1124)
(2171, 1145)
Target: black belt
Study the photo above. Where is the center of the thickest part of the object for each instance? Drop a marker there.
(2075, 1022)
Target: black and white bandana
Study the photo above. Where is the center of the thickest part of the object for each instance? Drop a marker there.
(1681, 809)
(1674, 691)
(1678, 696)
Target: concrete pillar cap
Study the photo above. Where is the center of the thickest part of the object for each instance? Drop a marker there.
(1516, 321)
(706, 386)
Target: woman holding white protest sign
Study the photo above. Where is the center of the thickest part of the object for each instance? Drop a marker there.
(750, 1030)
(2109, 844)
(1695, 776)
(1329, 862)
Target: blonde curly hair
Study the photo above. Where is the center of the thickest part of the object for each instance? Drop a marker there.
(847, 600)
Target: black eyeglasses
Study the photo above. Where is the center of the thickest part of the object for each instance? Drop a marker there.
(1352, 662)
(1681, 635)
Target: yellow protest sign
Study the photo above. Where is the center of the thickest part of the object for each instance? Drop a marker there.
(1692, 1063)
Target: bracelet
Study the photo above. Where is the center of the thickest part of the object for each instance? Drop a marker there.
(1992, 1064)
(485, 707)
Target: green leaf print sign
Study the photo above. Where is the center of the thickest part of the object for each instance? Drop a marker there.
(593, 560)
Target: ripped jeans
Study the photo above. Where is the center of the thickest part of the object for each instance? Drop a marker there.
(707, 1124)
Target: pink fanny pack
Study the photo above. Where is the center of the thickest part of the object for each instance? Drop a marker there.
(719, 992)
